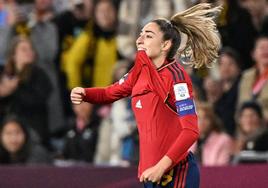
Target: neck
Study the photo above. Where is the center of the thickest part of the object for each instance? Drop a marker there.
(158, 61)
(19, 67)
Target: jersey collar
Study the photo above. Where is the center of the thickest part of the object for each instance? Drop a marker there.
(166, 63)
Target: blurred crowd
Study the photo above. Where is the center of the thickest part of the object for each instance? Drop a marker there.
(47, 47)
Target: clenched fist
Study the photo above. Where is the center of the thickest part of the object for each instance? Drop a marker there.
(77, 95)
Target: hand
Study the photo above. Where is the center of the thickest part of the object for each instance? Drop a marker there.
(8, 85)
(152, 174)
(77, 95)
(155, 173)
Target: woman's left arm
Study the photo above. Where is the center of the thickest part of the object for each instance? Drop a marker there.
(184, 141)
(189, 134)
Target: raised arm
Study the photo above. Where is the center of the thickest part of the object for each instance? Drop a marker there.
(97, 95)
(118, 90)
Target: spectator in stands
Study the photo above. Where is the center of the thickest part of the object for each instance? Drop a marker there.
(25, 88)
(237, 30)
(99, 45)
(16, 146)
(258, 10)
(254, 81)
(214, 147)
(229, 71)
(36, 24)
(81, 138)
(7, 19)
(250, 126)
(70, 24)
(43, 33)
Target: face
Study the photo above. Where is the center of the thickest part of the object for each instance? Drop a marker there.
(12, 137)
(24, 54)
(255, 7)
(249, 121)
(151, 40)
(260, 53)
(228, 68)
(43, 5)
(105, 15)
(212, 86)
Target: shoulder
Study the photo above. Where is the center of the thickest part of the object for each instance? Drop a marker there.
(249, 73)
(178, 81)
(38, 155)
(175, 72)
(221, 137)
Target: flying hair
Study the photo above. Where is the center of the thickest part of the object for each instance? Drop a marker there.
(200, 40)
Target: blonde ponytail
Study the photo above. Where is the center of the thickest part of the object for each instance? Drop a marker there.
(198, 29)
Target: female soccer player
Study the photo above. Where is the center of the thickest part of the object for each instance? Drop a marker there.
(161, 93)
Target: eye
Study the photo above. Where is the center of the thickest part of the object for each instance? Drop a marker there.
(149, 36)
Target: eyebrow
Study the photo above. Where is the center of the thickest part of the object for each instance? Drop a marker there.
(148, 31)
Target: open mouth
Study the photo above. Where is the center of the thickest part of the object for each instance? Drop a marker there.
(141, 48)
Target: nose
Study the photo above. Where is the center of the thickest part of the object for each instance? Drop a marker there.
(140, 40)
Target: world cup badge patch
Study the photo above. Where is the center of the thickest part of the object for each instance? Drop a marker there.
(181, 91)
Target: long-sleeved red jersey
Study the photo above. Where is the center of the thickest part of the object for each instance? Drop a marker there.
(163, 106)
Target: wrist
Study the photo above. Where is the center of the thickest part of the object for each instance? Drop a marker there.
(165, 163)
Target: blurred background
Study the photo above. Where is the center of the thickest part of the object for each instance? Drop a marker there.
(47, 47)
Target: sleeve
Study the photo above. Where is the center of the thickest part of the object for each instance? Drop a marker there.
(121, 89)
(118, 90)
(183, 98)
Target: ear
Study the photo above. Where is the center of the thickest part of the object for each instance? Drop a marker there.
(166, 45)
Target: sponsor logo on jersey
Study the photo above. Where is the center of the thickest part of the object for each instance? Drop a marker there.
(181, 91)
(185, 107)
(138, 104)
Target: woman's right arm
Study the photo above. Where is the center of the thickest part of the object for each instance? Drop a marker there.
(118, 90)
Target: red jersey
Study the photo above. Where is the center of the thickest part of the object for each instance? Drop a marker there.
(163, 106)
